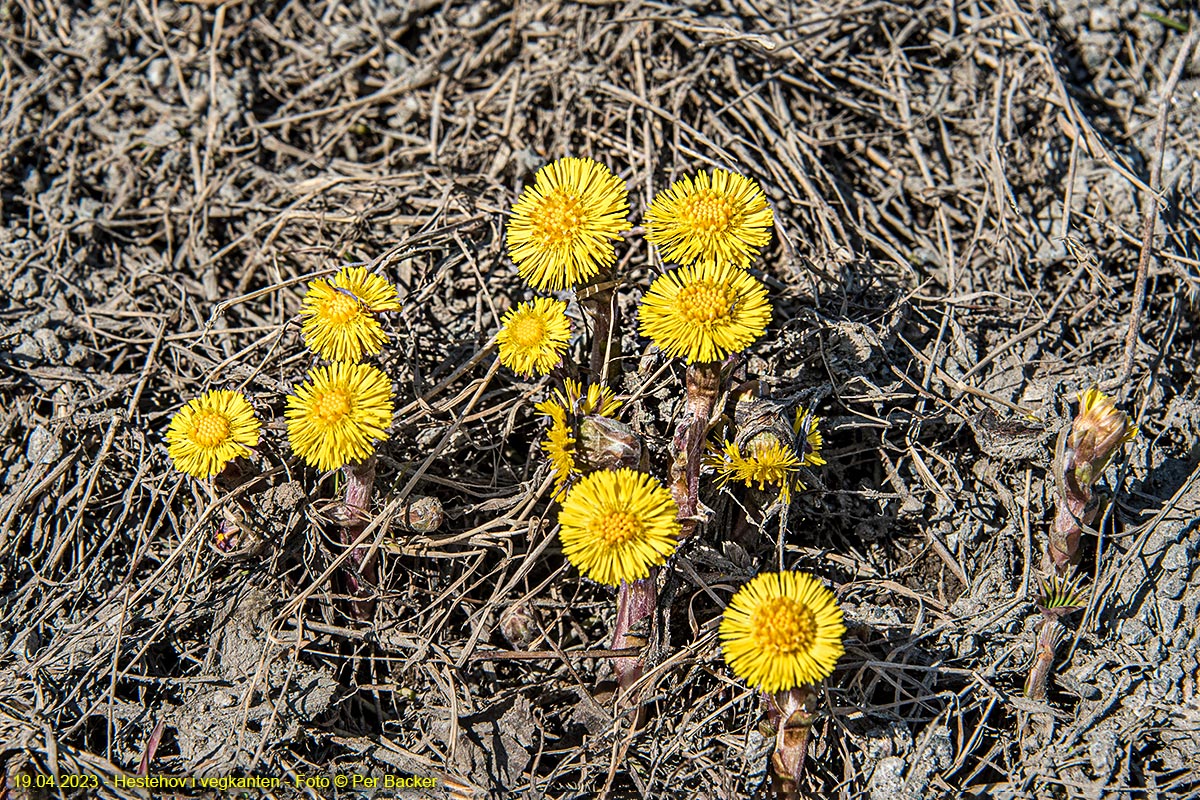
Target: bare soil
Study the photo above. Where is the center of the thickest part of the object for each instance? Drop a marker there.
(960, 191)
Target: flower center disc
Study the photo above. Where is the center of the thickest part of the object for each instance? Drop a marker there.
(704, 301)
(709, 212)
(211, 429)
(332, 406)
(616, 527)
(783, 625)
(527, 332)
(340, 308)
(560, 217)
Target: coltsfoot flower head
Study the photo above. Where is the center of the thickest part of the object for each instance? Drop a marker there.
(704, 312)
(762, 461)
(1098, 430)
(1081, 457)
(782, 630)
(562, 227)
(338, 319)
(616, 525)
(722, 219)
(210, 431)
(595, 399)
(566, 409)
(808, 437)
(338, 414)
(559, 444)
(533, 336)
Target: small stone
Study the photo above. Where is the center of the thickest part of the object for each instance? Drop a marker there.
(1155, 650)
(473, 17)
(1077, 687)
(28, 349)
(1172, 585)
(1135, 631)
(1102, 752)
(156, 72)
(89, 209)
(77, 355)
(163, 134)
(887, 781)
(24, 287)
(967, 645)
(396, 63)
(43, 447)
(33, 183)
(50, 345)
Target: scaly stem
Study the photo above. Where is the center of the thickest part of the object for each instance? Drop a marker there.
(687, 447)
(635, 613)
(1074, 508)
(1050, 635)
(598, 301)
(356, 513)
(790, 713)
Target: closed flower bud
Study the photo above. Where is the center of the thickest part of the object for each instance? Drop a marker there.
(518, 625)
(1083, 455)
(422, 515)
(605, 443)
(1098, 430)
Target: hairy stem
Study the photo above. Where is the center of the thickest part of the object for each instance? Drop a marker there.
(598, 301)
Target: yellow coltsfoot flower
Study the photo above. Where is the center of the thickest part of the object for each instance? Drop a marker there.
(337, 316)
(595, 399)
(723, 219)
(616, 525)
(782, 630)
(565, 409)
(704, 312)
(210, 431)
(562, 227)
(559, 444)
(533, 336)
(338, 414)
(762, 461)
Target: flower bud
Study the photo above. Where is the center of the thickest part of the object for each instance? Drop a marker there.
(605, 443)
(519, 626)
(421, 514)
(1098, 430)
(1082, 456)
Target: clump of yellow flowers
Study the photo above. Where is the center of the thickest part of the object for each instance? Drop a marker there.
(618, 525)
(624, 509)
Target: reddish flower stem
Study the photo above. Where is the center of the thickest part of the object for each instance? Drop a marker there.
(635, 608)
(790, 713)
(1050, 634)
(597, 300)
(356, 513)
(687, 447)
